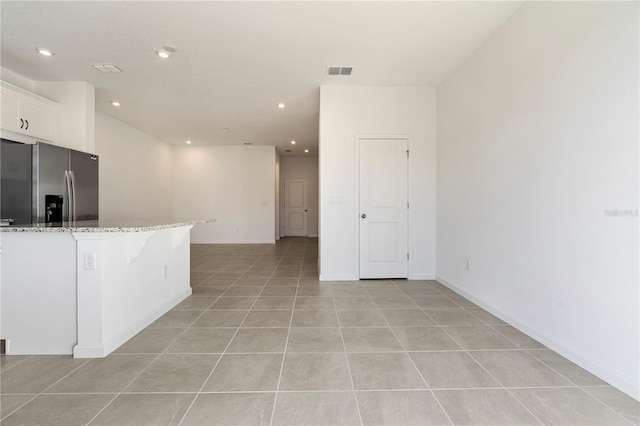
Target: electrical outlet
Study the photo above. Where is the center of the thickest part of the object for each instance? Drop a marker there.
(165, 271)
(90, 261)
(468, 265)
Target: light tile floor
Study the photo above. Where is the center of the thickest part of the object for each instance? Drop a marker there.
(262, 341)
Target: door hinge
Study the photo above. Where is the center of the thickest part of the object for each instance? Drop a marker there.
(407, 153)
(407, 256)
(407, 204)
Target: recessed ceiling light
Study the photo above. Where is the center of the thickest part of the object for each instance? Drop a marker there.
(44, 52)
(306, 150)
(115, 104)
(188, 142)
(169, 48)
(281, 105)
(287, 150)
(163, 54)
(293, 142)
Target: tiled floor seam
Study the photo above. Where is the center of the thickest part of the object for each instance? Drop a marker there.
(37, 394)
(419, 372)
(196, 394)
(503, 386)
(18, 363)
(284, 354)
(138, 375)
(200, 391)
(481, 366)
(353, 385)
(18, 408)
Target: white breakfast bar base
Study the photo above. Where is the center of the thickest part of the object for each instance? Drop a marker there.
(128, 290)
(55, 302)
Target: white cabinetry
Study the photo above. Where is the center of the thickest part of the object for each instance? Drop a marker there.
(28, 114)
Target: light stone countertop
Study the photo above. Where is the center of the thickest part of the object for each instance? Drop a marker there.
(105, 226)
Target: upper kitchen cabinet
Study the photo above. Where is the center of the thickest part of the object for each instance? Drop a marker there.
(28, 114)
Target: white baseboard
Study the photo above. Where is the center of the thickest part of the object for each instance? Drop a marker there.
(622, 383)
(338, 277)
(346, 277)
(122, 337)
(89, 352)
(422, 277)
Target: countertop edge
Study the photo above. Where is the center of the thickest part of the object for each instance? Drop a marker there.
(102, 229)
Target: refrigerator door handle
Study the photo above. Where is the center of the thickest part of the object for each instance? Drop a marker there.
(67, 178)
(73, 192)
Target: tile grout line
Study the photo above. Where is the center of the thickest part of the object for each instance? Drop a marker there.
(42, 392)
(346, 355)
(487, 371)
(18, 363)
(476, 361)
(574, 386)
(406, 353)
(27, 401)
(204, 383)
(521, 349)
(286, 343)
(147, 367)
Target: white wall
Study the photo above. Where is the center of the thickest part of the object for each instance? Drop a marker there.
(302, 168)
(537, 140)
(135, 172)
(233, 184)
(345, 114)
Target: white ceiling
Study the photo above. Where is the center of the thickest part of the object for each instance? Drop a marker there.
(237, 60)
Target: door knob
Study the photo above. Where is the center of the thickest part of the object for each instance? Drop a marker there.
(364, 216)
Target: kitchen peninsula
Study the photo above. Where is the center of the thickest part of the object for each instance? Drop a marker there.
(85, 288)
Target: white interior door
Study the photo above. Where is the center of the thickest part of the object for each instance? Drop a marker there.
(383, 208)
(295, 207)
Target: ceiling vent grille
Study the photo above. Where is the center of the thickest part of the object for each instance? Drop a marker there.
(107, 67)
(339, 70)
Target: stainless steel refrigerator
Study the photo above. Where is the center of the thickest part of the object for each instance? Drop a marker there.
(65, 184)
(15, 183)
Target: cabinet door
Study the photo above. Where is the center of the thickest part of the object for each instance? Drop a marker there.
(40, 118)
(9, 107)
(28, 114)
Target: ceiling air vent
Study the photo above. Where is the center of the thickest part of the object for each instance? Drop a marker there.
(107, 67)
(339, 70)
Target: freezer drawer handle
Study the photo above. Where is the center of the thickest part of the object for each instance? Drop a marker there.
(26, 121)
(21, 123)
